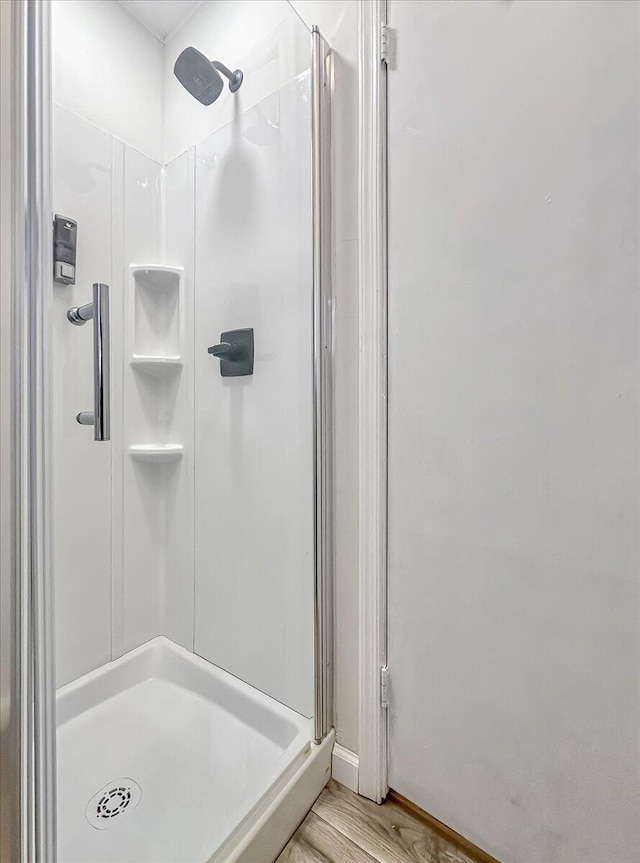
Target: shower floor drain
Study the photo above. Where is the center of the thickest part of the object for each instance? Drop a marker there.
(112, 803)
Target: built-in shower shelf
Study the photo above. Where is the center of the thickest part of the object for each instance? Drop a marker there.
(156, 452)
(159, 274)
(156, 311)
(159, 367)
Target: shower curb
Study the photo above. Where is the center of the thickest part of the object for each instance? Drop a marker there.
(268, 828)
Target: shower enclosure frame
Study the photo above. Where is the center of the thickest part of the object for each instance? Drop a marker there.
(31, 411)
(30, 578)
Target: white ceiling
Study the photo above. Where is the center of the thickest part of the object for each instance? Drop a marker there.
(162, 17)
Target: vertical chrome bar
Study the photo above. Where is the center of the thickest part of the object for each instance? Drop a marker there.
(13, 661)
(101, 363)
(322, 384)
(33, 244)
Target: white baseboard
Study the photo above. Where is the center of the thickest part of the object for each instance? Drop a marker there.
(344, 767)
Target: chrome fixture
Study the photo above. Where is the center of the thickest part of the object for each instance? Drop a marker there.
(98, 311)
(200, 76)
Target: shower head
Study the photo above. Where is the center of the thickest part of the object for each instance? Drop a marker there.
(201, 78)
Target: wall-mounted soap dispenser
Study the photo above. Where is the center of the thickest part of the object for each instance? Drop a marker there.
(65, 235)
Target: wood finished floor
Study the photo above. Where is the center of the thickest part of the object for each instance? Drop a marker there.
(345, 828)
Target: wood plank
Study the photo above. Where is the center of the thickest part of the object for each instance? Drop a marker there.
(387, 833)
(477, 855)
(317, 842)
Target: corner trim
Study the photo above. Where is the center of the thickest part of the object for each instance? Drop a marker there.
(372, 399)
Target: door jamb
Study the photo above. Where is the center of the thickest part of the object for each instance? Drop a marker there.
(372, 399)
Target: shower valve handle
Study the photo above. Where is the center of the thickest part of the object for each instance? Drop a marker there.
(228, 350)
(235, 352)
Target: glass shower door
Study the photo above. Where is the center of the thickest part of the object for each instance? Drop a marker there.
(193, 562)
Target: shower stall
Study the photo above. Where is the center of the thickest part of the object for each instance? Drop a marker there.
(172, 626)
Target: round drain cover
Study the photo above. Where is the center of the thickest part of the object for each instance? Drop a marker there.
(113, 802)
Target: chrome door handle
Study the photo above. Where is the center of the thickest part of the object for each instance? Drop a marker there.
(98, 311)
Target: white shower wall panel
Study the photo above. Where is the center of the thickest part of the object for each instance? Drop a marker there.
(178, 250)
(82, 190)
(155, 593)
(264, 38)
(214, 547)
(254, 541)
(144, 498)
(123, 541)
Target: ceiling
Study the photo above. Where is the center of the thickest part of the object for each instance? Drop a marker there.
(162, 17)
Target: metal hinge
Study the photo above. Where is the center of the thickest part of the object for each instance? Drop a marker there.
(384, 686)
(387, 44)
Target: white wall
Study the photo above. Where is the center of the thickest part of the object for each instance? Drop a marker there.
(107, 68)
(514, 428)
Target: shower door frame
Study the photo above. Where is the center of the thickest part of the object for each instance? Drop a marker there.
(31, 411)
(323, 438)
(32, 575)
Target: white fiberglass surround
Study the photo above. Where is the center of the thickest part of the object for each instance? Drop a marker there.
(198, 515)
(237, 587)
(202, 746)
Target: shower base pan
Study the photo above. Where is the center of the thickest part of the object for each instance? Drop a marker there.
(165, 758)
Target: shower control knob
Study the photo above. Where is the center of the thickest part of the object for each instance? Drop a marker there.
(235, 352)
(224, 349)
